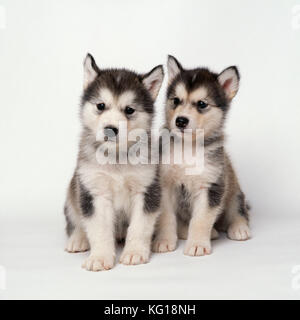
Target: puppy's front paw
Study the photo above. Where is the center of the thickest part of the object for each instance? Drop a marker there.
(134, 256)
(167, 245)
(239, 232)
(77, 243)
(195, 249)
(99, 263)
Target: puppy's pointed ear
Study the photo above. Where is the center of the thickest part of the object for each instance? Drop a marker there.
(229, 80)
(91, 70)
(174, 68)
(153, 80)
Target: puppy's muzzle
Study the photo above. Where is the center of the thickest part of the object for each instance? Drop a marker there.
(182, 122)
(111, 131)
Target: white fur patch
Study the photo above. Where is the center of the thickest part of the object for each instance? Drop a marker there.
(126, 99)
(198, 94)
(106, 96)
(89, 115)
(181, 92)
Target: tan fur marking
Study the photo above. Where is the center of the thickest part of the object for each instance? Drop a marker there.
(208, 120)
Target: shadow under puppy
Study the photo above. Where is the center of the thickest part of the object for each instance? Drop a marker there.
(106, 202)
(193, 204)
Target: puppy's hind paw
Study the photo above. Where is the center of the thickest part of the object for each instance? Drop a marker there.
(134, 257)
(239, 232)
(163, 245)
(195, 249)
(98, 263)
(77, 244)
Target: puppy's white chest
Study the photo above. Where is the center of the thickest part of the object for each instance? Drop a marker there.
(183, 174)
(125, 187)
(121, 198)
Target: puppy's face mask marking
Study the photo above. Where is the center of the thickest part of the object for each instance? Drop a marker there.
(198, 98)
(118, 99)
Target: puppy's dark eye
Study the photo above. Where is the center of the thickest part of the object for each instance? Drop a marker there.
(101, 106)
(176, 101)
(129, 110)
(201, 105)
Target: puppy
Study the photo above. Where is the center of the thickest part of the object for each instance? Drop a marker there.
(193, 204)
(110, 201)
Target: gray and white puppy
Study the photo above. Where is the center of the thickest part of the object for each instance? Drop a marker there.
(193, 204)
(106, 202)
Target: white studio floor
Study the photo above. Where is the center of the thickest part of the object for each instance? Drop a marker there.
(38, 268)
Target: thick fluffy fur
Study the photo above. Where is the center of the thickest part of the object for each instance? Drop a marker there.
(193, 204)
(113, 201)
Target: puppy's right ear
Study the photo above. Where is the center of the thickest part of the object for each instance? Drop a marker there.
(91, 70)
(153, 80)
(174, 68)
(229, 80)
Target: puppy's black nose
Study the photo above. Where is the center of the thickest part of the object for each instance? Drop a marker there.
(182, 122)
(111, 131)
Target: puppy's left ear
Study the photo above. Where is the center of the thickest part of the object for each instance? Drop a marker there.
(174, 68)
(229, 80)
(153, 80)
(91, 70)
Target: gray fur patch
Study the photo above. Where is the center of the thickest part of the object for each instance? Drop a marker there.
(243, 206)
(184, 204)
(152, 196)
(215, 192)
(210, 140)
(216, 155)
(121, 226)
(69, 225)
(86, 201)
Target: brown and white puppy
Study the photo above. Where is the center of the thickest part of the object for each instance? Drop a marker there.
(109, 201)
(193, 204)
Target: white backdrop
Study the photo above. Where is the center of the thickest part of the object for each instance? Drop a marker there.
(42, 46)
